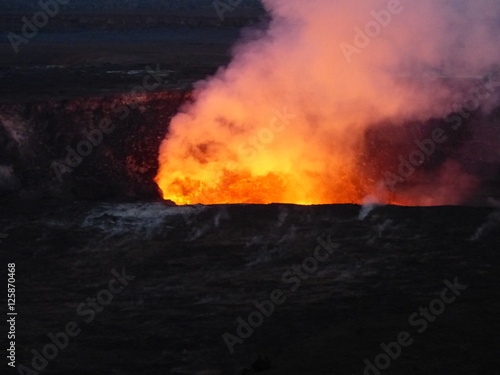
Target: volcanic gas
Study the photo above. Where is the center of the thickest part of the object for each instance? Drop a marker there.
(327, 102)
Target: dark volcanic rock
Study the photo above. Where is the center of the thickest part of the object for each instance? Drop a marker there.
(197, 269)
(55, 149)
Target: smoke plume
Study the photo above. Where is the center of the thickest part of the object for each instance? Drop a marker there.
(337, 100)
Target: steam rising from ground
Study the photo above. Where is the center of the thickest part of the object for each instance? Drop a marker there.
(286, 120)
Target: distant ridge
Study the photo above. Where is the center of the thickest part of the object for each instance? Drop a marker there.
(182, 6)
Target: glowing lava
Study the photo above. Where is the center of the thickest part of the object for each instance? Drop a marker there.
(286, 120)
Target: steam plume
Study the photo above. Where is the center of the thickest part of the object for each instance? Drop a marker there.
(288, 119)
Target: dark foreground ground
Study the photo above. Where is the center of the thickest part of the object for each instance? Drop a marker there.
(197, 269)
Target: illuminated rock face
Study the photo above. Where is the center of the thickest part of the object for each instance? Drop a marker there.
(90, 148)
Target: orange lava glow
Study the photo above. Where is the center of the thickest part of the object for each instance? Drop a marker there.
(287, 120)
(275, 163)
